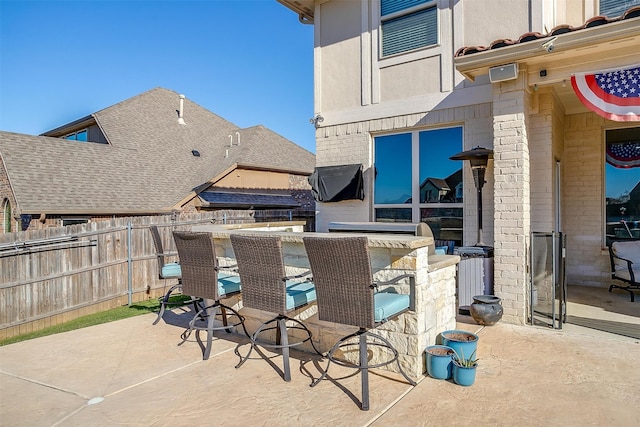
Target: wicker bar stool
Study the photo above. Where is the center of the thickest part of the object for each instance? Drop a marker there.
(347, 294)
(168, 270)
(201, 278)
(266, 287)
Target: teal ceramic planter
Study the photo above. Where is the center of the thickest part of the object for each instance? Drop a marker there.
(439, 361)
(462, 342)
(463, 376)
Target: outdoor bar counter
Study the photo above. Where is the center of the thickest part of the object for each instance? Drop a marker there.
(391, 255)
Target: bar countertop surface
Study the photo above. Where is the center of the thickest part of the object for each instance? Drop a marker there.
(399, 241)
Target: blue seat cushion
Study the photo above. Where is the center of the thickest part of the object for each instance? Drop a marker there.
(441, 250)
(387, 305)
(299, 294)
(171, 270)
(228, 284)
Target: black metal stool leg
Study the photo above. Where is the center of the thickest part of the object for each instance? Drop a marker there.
(253, 339)
(164, 301)
(364, 372)
(363, 362)
(330, 357)
(388, 345)
(211, 313)
(284, 343)
(281, 341)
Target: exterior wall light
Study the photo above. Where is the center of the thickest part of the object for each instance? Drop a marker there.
(315, 121)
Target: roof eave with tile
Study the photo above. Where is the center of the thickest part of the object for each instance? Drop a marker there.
(474, 61)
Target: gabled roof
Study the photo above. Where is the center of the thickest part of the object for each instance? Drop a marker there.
(257, 144)
(147, 165)
(56, 175)
(438, 183)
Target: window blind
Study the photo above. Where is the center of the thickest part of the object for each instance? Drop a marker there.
(410, 32)
(391, 6)
(615, 8)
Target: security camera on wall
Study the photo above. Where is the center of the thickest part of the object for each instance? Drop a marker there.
(548, 45)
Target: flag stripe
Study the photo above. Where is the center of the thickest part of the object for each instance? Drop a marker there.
(614, 95)
(592, 83)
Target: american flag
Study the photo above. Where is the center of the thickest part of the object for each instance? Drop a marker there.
(614, 95)
(624, 154)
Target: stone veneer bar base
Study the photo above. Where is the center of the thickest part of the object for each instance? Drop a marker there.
(391, 255)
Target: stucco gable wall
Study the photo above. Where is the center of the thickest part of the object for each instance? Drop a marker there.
(338, 71)
(410, 79)
(489, 20)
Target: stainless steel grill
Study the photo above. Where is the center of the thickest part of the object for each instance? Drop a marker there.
(475, 274)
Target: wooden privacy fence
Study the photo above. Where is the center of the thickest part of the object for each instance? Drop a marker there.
(51, 276)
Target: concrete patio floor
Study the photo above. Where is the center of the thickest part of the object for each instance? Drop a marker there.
(132, 373)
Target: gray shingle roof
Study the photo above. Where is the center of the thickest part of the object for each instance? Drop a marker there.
(148, 165)
(247, 200)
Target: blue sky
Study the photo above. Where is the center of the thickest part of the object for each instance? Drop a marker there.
(248, 61)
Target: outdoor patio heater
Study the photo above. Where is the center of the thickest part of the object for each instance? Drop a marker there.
(478, 158)
(475, 271)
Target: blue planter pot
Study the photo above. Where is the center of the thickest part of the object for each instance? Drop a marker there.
(439, 361)
(464, 376)
(462, 342)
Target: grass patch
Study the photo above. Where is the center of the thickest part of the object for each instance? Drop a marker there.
(124, 312)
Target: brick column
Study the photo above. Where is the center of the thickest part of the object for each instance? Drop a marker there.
(512, 215)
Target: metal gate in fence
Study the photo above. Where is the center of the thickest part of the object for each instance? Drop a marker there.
(548, 285)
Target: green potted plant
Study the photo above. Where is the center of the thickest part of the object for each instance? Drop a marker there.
(464, 369)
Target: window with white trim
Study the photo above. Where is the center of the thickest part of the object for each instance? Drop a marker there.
(416, 182)
(407, 25)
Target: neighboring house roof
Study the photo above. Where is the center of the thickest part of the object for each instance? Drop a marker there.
(633, 12)
(147, 166)
(438, 183)
(247, 200)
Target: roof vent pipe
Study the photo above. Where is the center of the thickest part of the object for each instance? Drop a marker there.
(181, 111)
(238, 135)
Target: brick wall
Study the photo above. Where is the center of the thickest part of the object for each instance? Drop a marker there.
(511, 105)
(583, 189)
(541, 138)
(6, 195)
(353, 143)
(298, 182)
